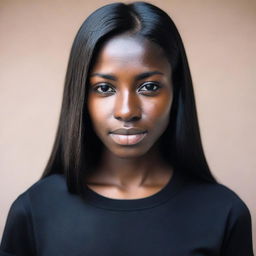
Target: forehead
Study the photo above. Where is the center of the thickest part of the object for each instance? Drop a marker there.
(133, 51)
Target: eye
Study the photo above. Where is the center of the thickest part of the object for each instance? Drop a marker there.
(104, 89)
(149, 87)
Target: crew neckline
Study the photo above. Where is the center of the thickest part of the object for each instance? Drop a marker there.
(167, 192)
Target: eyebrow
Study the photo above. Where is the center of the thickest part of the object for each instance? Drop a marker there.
(106, 76)
(148, 74)
(138, 77)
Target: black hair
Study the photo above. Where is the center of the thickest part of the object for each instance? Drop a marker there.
(76, 146)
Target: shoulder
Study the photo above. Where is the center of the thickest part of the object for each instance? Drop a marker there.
(219, 196)
(55, 183)
(231, 212)
(238, 210)
(48, 190)
(35, 205)
(51, 181)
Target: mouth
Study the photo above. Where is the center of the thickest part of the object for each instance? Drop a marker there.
(130, 136)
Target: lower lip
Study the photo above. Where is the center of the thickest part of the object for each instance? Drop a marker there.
(131, 139)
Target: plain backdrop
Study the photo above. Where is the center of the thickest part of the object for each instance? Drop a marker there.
(36, 36)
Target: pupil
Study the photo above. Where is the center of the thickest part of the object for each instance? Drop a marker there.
(104, 88)
(150, 86)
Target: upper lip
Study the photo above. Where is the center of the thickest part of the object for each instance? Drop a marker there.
(128, 131)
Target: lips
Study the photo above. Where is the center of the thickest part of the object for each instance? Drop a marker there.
(130, 136)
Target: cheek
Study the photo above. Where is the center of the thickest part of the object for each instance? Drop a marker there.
(99, 110)
(159, 110)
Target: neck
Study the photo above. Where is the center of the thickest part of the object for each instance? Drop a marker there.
(129, 172)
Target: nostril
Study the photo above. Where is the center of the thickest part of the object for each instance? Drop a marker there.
(128, 119)
(135, 118)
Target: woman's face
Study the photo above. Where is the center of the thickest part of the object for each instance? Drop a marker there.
(130, 95)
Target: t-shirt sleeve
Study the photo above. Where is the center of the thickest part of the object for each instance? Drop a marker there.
(238, 238)
(18, 238)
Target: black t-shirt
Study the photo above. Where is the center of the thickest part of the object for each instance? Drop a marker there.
(185, 218)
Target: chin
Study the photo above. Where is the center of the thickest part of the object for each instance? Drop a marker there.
(129, 156)
(129, 152)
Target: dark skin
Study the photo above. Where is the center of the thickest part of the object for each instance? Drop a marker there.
(129, 103)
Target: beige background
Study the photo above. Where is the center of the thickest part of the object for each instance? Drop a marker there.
(36, 37)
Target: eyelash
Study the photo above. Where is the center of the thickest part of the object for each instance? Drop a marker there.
(155, 84)
(156, 87)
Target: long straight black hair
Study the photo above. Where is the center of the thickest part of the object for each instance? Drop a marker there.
(76, 148)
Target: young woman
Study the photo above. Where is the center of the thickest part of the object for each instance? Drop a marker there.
(127, 174)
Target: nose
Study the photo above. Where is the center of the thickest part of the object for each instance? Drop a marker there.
(127, 107)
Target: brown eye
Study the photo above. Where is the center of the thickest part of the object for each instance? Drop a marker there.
(104, 89)
(149, 87)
